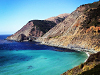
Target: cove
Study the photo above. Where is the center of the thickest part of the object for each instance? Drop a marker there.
(32, 58)
(38, 62)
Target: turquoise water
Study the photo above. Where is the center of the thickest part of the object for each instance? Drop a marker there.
(38, 62)
(31, 58)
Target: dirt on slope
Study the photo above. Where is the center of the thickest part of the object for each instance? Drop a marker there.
(81, 29)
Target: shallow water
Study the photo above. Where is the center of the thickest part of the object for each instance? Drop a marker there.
(31, 58)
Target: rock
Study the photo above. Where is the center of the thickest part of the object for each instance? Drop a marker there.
(94, 57)
(36, 28)
(80, 29)
(90, 67)
(30, 67)
(31, 38)
(21, 37)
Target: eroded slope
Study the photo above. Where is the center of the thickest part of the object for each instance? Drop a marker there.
(81, 29)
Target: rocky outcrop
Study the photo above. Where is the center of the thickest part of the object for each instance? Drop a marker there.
(80, 31)
(21, 37)
(33, 29)
(76, 31)
(36, 28)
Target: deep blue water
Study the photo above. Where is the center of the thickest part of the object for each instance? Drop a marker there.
(31, 58)
(12, 45)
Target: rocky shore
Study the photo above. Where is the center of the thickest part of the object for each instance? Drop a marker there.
(88, 51)
(78, 31)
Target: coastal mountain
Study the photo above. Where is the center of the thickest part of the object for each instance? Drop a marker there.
(36, 28)
(81, 29)
(32, 30)
(58, 19)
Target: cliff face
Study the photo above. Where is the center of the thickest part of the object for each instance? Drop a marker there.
(36, 28)
(81, 29)
(32, 30)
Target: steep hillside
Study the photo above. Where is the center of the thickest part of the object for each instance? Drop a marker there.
(36, 28)
(81, 29)
(58, 19)
(32, 30)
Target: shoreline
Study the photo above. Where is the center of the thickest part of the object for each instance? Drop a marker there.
(87, 55)
(87, 51)
(90, 51)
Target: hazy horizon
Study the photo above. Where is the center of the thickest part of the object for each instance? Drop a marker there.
(14, 14)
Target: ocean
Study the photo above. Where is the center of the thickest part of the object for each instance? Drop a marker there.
(32, 58)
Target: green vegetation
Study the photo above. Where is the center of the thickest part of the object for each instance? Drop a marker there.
(81, 66)
(93, 15)
(91, 6)
(43, 25)
(91, 27)
(90, 67)
(50, 37)
(94, 71)
(94, 5)
(70, 73)
(56, 36)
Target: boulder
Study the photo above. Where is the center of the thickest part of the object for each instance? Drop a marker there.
(21, 37)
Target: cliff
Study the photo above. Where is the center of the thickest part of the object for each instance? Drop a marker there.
(32, 30)
(36, 28)
(81, 29)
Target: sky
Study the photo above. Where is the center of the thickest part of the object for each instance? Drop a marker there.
(14, 14)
